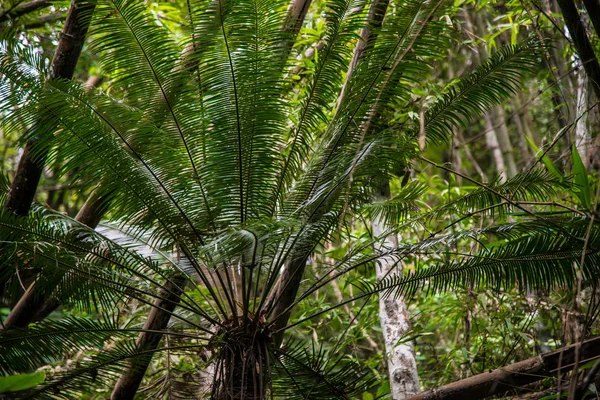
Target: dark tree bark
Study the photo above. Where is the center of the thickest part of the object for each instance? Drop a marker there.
(36, 305)
(23, 9)
(582, 43)
(158, 319)
(593, 9)
(30, 167)
(503, 380)
(29, 170)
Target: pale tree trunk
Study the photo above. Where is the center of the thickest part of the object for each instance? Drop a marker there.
(583, 137)
(393, 317)
(491, 140)
(504, 141)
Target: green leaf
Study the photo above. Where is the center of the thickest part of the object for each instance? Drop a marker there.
(14, 383)
(581, 180)
(546, 160)
(367, 396)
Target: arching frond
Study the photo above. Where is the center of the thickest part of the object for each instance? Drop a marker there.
(492, 82)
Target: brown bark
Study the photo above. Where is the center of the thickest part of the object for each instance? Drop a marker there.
(29, 170)
(158, 319)
(293, 22)
(24, 8)
(593, 10)
(584, 48)
(503, 380)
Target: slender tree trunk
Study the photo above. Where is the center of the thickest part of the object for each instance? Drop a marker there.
(491, 140)
(30, 167)
(504, 140)
(583, 137)
(36, 305)
(582, 43)
(158, 319)
(393, 317)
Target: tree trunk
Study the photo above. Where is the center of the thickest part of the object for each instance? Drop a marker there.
(29, 170)
(491, 140)
(158, 319)
(393, 317)
(506, 379)
(582, 43)
(504, 140)
(36, 305)
(583, 137)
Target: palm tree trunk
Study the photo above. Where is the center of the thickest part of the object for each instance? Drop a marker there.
(159, 317)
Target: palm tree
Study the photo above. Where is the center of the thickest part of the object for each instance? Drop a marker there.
(224, 174)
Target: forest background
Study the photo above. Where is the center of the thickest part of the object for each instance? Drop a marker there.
(526, 147)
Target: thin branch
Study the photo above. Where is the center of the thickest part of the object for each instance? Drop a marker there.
(19, 10)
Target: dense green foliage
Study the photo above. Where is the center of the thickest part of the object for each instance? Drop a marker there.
(228, 157)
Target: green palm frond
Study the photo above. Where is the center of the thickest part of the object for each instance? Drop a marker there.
(495, 80)
(534, 186)
(50, 341)
(100, 369)
(405, 203)
(533, 254)
(300, 373)
(542, 258)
